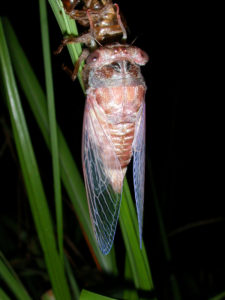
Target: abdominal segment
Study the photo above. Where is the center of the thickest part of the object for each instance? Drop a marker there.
(122, 136)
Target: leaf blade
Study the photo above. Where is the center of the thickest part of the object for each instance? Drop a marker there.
(86, 295)
(14, 284)
(52, 123)
(137, 257)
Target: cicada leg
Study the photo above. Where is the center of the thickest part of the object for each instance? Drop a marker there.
(83, 56)
(84, 38)
(73, 73)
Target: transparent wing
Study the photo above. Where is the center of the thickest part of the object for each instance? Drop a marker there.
(139, 167)
(103, 200)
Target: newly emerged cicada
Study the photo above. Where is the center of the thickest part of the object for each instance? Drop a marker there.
(113, 126)
(113, 131)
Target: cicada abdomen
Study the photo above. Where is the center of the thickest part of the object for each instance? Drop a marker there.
(113, 131)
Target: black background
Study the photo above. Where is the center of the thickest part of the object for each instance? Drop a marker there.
(184, 138)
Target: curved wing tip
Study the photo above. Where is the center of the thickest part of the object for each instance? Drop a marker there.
(105, 247)
(105, 251)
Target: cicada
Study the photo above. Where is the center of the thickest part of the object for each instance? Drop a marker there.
(113, 131)
(114, 116)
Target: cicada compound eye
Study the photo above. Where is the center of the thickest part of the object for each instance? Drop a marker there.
(142, 57)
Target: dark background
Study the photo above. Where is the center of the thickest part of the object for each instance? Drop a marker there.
(184, 138)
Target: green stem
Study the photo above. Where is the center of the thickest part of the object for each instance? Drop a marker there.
(52, 123)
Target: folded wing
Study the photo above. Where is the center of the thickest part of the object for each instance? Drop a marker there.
(104, 201)
(139, 167)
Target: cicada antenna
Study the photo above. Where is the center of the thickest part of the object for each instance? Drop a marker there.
(134, 40)
(98, 43)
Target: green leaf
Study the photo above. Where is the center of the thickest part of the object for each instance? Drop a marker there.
(52, 123)
(9, 276)
(36, 195)
(3, 295)
(218, 297)
(137, 257)
(86, 295)
(128, 275)
(68, 27)
(73, 284)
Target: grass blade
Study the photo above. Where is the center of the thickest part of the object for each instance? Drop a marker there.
(218, 297)
(86, 295)
(3, 295)
(10, 279)
(69, 172)
(68, 27)
(52, 123)
(36, 196)
(74, 286)
(128, 275)
(137, 257)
